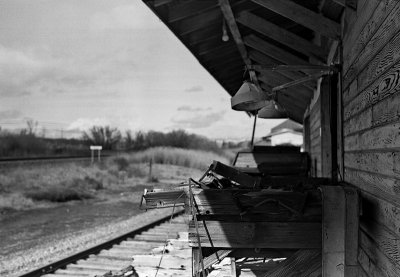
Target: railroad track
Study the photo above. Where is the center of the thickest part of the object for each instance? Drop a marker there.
(143, 248)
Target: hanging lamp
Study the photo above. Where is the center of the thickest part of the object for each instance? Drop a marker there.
(248, 98)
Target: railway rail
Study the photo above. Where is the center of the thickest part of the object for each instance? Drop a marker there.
(158, 249)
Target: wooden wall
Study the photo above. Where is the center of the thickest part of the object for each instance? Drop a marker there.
(371, 129)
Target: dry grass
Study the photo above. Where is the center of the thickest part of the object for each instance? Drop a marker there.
(30, 186)
(177, 156)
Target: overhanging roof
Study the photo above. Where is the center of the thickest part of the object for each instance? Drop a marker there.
(263, 33)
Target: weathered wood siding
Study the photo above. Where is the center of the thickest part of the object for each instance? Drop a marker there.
(371, 129)
(315, 139)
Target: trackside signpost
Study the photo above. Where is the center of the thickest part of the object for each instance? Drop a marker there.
(97, 148)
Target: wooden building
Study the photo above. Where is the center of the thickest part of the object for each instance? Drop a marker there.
(334, 65)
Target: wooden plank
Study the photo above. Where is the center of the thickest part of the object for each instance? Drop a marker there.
(384, 86)
(386, 111)
(383, 163)
(377, 257)
(359, 122)
(333, 230)
(273, 51)
(235, 175)
(297, 13)
(281, 35)
(387, 54)
(383, 137)
(350, 92)
(368, 265)
(380, 186)
(230, 19)
(365, 25)
(300, 264)
(188, 9)
(381, 211)
(361, 35)
(198, 22)
(387, 242)
(257, 235)
(352, 229)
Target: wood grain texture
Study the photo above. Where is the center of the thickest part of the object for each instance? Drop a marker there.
(387, 110)
(381, 211)
(350, 92)
(198, 22)
(387, 242)
(385, 59)
(366, 24)
(380, 39)
(382, 137)
(380, 162)
(380, 186)
(375, 255)
(358, 122)
(384, 86)
(368, 265)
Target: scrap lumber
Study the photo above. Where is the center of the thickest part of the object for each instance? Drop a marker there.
(235, 175)
(212, 259)
(162, 198)
(282, 235)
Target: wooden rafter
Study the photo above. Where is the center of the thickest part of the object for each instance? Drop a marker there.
(231, 21)
(199, 21)
(347, 3)
(285, 67)
(189, 8)
(281, 35)
(297, 13)
(271, 50)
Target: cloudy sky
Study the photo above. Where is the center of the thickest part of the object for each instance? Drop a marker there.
(72, 64)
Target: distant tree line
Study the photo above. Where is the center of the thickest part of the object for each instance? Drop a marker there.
(27, 143)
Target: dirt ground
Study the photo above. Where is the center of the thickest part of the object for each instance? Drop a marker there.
(31, 238)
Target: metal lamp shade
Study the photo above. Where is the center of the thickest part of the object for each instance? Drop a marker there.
(270, 111)
(248, 98)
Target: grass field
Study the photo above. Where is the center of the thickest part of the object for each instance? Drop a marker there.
(32, 186)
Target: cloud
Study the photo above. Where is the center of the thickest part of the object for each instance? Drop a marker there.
(124, 17)
(10, 114)
(195, 89)
(192, 109)
(197, 120)
(83, 124)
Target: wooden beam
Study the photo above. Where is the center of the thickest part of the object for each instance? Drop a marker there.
(281, 235)
(347, 3)
(284, 67)
(157, 3)
(198, 22)
(230, 19)
(282, 35)
(303, 16)
(212, 259)
(273, 51)
(334, 228)
(189, 8)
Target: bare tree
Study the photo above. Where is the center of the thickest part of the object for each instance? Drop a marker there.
(103, 135)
